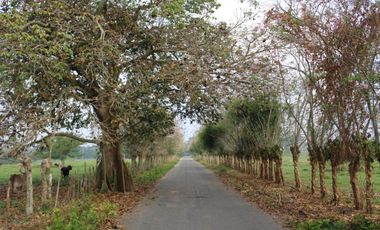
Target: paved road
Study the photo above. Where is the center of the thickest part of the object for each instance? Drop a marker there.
(190, 197)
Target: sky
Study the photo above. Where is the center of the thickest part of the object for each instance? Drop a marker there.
(229, 12)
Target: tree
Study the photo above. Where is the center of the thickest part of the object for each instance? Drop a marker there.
(154, 123)
(250, 129)
(340, 38)
(210, 138)
(61, 148)
(75, 63)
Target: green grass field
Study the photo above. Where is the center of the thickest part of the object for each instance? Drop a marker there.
(343, 176)
(78, 169)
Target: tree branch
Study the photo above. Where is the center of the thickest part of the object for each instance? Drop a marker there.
(72, 136)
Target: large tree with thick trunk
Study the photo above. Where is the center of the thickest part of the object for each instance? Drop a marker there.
(80, 63)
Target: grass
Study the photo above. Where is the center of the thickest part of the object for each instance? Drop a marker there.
(155, 173)
(343, 176)
(82, 215)
(78, 169)
(91, 211)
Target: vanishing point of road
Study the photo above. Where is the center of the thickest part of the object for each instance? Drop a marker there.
(190, 197)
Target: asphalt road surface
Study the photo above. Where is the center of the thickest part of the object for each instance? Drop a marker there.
(190, 197)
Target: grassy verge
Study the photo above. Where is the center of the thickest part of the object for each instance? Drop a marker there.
(299, 210)
(83, 214)
(156, 173)
(93, 211)
(102, 215)
(357, 223)
(343, 176)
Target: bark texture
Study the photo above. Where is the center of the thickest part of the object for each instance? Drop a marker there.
(353, 170)
(295, 156)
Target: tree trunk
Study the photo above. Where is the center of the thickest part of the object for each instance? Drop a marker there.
(279, 177)
(281, 174)
(112, 165)
(266, 169)
(140, 162)
(322, 168)
(257, 168)
(271, 170)
(50, 181)
(134, 164)
(295, 155)
(261, 169)
(353, 169)
(313, 176)
(44, 186)
(368, 186)
(8, 199)
(29, 186)
(276, 174)
(334, 172)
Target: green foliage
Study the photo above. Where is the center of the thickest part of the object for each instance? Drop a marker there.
(250, 126)
(361, 223)
(155, 173)
(374, 149)
(83, 215)
(45, 209)
(210, 138)
(325, 224)
(61, 148)
(357, 223)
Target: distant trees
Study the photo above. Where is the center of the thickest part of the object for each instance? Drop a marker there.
(60, 148)
(248, 137)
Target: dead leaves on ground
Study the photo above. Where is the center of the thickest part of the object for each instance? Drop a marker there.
(285, 203)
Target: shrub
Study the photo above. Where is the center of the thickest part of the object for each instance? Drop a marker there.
(84, 215)
(325, 224)
(361, 223)
(357, 223)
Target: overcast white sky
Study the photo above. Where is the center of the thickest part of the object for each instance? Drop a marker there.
(229, 12)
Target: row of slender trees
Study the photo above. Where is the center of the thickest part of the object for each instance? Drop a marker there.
(321, 60)
(331, 50)
(248, 137)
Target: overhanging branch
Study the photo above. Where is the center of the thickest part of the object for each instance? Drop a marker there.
(72, 136)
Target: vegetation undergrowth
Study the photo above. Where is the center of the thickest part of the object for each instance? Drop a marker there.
(83, 215)
(87, 213)
(91, 211)
(359, 222)
(155, 173)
